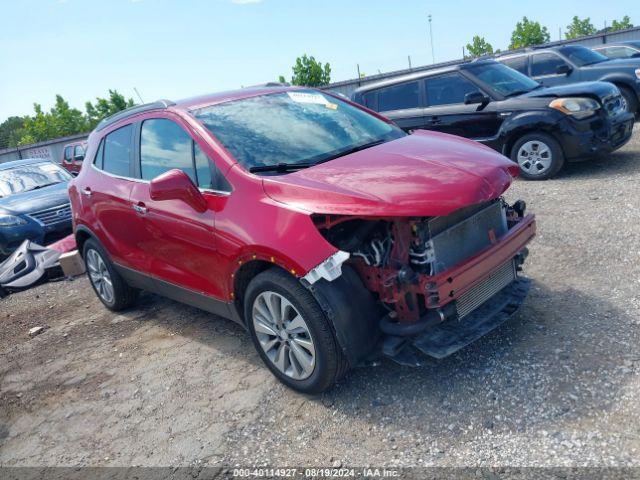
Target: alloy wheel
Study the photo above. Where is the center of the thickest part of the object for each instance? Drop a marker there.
(283, 335)
(535, 157)
(99, 276)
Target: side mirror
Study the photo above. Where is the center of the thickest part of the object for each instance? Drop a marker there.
(74, 174)
(176, 185)
(476, 97)
(79, 158)
(564, 69)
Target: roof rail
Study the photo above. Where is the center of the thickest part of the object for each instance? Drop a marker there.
(157, 105)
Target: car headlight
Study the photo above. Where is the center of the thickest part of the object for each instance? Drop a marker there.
(638, 73)
(11, 221)
(576, 107)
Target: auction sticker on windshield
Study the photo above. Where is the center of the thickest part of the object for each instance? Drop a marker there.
(315, 98)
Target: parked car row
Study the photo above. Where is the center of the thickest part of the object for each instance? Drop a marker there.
(537, 127)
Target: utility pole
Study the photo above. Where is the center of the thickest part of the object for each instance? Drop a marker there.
(464, 55)
(559, 33)
(433, 57)
(409, 58)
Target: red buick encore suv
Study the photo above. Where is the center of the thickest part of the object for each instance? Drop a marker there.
(331, 235)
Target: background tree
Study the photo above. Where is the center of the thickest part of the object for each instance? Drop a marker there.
(11, 130)
(622, 24)
(479, 46)
(309, 73)
(106, 106)
(60, 121)
(528, 33)
(579, 28)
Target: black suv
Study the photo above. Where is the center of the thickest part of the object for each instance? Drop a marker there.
(574, 63)
(486, 101)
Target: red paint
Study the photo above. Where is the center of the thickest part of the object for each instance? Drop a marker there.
(199, 239)
(72, 164)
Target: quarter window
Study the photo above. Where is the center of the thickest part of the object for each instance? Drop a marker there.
(117, 151)
(398, 97)
(448, 89)
(545, 64)
(164, 145)
(517, 63)
(99, 155)
(209, 176)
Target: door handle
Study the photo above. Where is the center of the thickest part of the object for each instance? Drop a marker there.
(435, 121)
(87, 191)
(140, 208)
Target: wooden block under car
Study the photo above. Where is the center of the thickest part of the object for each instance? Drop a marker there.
(72, 263)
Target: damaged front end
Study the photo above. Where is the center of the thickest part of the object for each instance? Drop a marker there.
(441, 282)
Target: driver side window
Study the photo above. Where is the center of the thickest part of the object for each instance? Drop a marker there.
(545, 64)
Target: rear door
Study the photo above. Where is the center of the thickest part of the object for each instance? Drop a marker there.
(544, 69)
(106, 188)
(446, 111)
(177, 241)
(403, 103)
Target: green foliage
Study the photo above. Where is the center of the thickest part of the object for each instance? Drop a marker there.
(309, 73)
(528, 33)
(105, 107)
(60, 121)
(479, 46)
(580, 28)
(11, 131)
(622, 24)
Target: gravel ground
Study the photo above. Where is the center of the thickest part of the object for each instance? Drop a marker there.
(166, 384)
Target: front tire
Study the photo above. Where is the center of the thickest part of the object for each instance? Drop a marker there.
(291, 333)
(538, 155)
(112, 290)
(630, 99)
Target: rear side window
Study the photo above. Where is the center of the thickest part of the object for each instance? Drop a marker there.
(164, 145)
(517, 63)
(448, 89)
(67, 153)
(398, 97)
(369, 100)
(117, 151)
(545, 64)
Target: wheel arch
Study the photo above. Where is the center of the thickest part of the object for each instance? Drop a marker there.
(83, 234)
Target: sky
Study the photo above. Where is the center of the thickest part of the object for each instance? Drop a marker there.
(175, 49)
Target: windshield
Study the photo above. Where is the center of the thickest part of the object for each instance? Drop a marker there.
(582, 56)
(30, 177)
(504, 80)
(295, 127)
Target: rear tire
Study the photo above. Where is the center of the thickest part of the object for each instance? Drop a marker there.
(112, 290)
(292, 334)
(538, 155)
(630, 99)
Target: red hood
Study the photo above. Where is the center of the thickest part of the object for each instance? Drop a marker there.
(424, 174)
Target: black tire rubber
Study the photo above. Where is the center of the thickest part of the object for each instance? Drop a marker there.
(124, 296)
(331, 363)
(557, 160)
(630, 98)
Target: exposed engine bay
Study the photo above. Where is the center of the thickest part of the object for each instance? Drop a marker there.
(405, 261)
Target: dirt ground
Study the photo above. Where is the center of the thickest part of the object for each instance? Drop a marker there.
(165, 384)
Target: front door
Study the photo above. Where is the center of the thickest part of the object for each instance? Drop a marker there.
(446, 111)
(544, 69)
(178, 241)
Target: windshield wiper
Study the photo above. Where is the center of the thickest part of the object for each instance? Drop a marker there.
(41, 186)
(351, 150)
(280, 167)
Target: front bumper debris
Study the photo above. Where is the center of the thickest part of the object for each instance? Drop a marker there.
(447, 337)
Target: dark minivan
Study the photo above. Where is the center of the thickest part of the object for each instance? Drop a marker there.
(537, 127)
